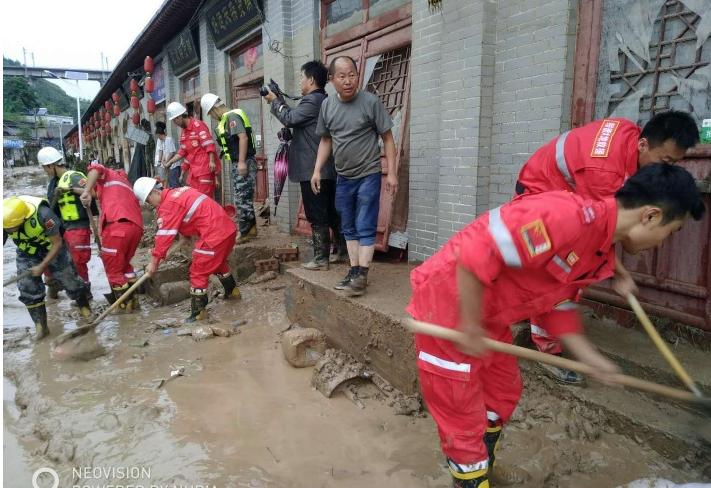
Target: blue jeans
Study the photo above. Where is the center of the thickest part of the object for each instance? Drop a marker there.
(174, 177)
(358, 202)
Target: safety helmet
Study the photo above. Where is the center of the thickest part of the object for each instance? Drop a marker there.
(14, 212)
(49, 155)
(208, 101)
(143, 187)
(174, 110)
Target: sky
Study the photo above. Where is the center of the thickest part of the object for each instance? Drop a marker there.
(73, 34)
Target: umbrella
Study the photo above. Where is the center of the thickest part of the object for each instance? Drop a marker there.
(281, 164)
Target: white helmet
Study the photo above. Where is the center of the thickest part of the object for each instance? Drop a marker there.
(49, 155)
(208, 101)
(174, 110)
(143, 187)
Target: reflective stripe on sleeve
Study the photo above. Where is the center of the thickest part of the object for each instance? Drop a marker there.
(503, 239)
(560, 161)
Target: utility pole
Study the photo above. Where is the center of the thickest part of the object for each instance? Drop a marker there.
(33, 60)
(24, 60)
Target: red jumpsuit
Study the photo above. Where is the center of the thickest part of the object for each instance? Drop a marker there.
(187, 211)
(594, 161)
(196, 144)
(120, 223)
(532, 255)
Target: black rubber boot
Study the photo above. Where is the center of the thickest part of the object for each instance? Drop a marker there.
(53, 288)
(133, 301)
(230, 286)
(462, 477)
(116, 293)
(84, 305)
(321, 241)
(491, 439)
(198, 302)
(38, 312)
(341, 252)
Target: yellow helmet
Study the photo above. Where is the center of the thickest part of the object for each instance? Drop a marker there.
(14, 212)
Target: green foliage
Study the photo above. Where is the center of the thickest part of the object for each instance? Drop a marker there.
(18, 95)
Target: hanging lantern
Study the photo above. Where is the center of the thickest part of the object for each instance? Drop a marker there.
(107, 117)
(107, 105)
(151, 106)
(148, 85)
(115, 97)
(134, 85)
(134, 101)
(117, 110)
(135, 118)
(148, 64)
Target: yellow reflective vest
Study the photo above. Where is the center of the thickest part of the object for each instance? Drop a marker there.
(70, 208)
(30, 237)
(223, 133)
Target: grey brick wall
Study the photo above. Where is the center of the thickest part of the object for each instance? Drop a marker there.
(491, 82)
(535, 43)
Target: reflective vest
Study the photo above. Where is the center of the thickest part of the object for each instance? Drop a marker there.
(30, 237)
(70, 208)
(222, 133)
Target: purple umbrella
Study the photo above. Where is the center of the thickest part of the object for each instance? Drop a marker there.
(281, 164)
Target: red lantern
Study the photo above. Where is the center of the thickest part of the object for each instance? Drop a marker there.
(135, 118)
(134, 85)
(134, 102)
(151, 106)
(117, 110)
(107, 105)
(149, 85)
(148, 64)
(115, 97)
(107, 117)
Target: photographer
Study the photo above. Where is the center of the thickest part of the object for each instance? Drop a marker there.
(319, 207)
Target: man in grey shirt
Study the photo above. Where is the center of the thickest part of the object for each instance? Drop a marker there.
(349, 125)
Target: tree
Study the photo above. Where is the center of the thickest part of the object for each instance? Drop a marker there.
(18, 95)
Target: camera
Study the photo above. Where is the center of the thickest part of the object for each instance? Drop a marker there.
(273, 87)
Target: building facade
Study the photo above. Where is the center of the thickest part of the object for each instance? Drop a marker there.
(474, 88)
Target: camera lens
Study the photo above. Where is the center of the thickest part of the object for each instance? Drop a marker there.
(263, 91)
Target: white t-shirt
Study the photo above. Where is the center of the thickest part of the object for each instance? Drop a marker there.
(168, 147)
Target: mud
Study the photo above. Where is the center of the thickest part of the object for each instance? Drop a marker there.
(240, 415)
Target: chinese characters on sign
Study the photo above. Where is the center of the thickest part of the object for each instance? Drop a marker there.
(231, 19)
(182, 52)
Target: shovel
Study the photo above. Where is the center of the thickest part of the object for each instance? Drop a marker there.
(17, 278)
(663, 348)
(79, 331)
(523, 353)
(94, 227)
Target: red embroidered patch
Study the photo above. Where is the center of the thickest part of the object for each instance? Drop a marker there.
(233, 124)
(82, 182)
(535, 237)
(49, 224)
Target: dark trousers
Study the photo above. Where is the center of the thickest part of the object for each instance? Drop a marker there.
(320, 208)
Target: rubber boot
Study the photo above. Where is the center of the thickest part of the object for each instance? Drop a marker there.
(38, 312)
(230, 286)
(249, 235)
(116, 293)
(133, 301)
(341, 254)
(198, 302)
(321, 241)
(53, 288)
(491, 439)
(84, 305)
(465, 477)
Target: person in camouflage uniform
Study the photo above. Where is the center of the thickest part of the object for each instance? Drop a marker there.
(234, 134)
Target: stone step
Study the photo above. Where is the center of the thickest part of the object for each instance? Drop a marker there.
(370, 329)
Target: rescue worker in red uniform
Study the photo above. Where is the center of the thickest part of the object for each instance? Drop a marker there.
(531, 256)
(120, 226)
(594, 161)
(198, 150)
(74, 217)
(186, 212)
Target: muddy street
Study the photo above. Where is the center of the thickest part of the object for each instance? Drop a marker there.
(240, 416)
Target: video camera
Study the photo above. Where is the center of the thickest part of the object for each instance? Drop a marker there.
(274, 88)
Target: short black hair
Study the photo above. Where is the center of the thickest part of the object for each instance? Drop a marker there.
(160, 128)
(332, 65)
(666, 186)
(316, 70)
(678, 126)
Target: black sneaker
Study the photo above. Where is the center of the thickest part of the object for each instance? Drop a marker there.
(356, 287)
(341, 285)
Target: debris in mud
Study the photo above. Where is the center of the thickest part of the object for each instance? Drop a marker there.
(268, 276)
(220, 331)
(141, 343)
(275, 287)
(335, 368)
(173, 374)
(202, 332)
(303, 347)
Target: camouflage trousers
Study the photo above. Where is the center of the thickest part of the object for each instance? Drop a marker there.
(244, 195)
(32, 289)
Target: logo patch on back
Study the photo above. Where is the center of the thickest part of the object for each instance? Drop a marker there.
(49, 224)
(603, 139)
(572, 258)
(536, 238)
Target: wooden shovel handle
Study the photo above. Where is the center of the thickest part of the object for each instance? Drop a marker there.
(521, 352)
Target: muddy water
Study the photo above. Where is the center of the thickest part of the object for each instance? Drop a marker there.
(242, 417)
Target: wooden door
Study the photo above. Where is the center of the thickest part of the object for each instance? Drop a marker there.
(248, 99)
